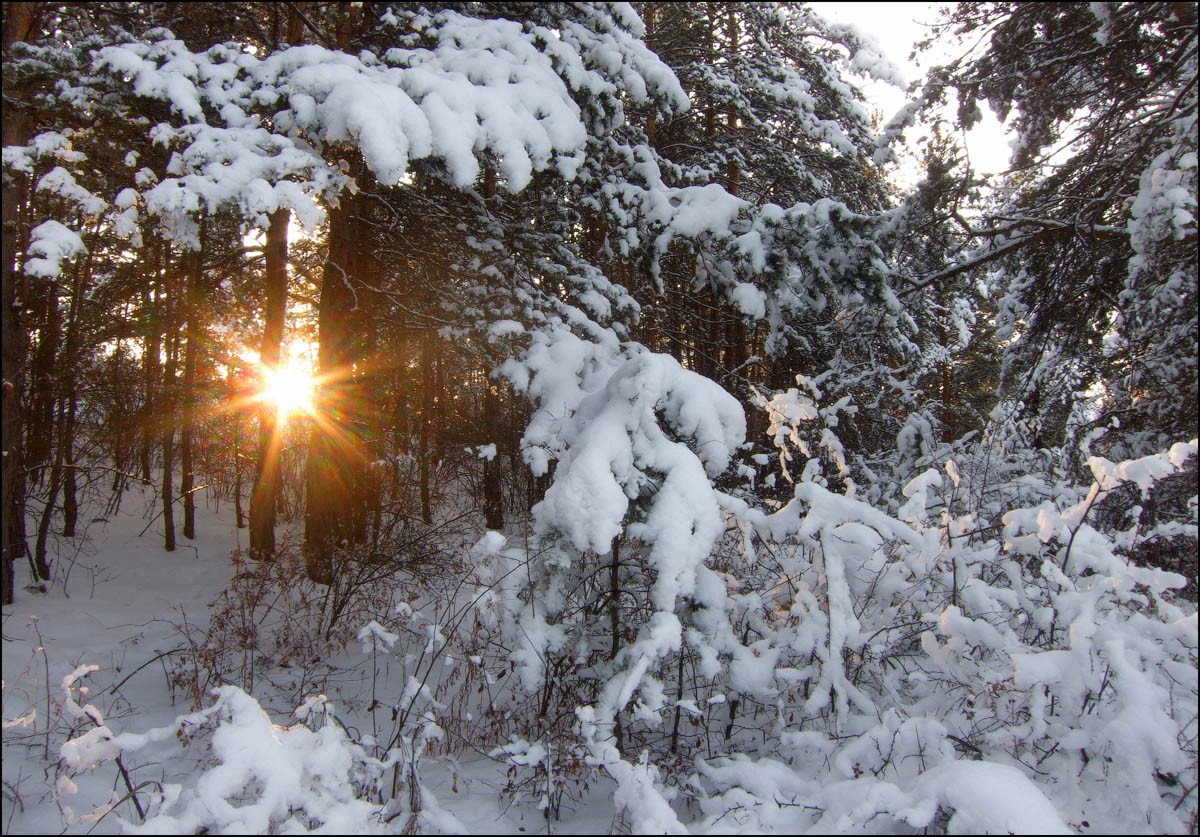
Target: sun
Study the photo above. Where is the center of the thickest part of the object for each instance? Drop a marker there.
(289, 388)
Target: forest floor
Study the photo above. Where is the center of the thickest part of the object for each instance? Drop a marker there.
(123, 604)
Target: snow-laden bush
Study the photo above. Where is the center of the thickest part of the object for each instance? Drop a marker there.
(257, 776)
(260, 777)
(973, 652)
(1037, 650)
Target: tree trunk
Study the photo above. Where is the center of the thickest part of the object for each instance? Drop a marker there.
(40, 562)
(166, 410)
(267, 485)
(39, 449)
(191, 359)
(69, 366)
(70, 489)
(150, 365)
(947, 386)
(493, 497)
(266, 473)
(735, 338)
(732, 174)
(614, 615)
(21, 25)
(336, 460)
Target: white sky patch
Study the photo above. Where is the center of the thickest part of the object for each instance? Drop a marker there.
(895, 27)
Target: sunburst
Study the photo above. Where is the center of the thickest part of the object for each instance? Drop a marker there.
(290, 388)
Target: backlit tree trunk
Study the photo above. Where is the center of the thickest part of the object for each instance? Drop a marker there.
(493, 498)
(335, 474)
(191, 360)
(151, 349)
(70, 395)
(336, 460)
(166, 407)
(266, 475)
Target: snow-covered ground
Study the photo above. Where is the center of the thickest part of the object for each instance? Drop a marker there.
(117, 605)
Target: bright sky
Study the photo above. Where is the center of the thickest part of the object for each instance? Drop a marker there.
(895, 27)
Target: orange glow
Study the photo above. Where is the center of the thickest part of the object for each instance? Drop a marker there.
(289, 388)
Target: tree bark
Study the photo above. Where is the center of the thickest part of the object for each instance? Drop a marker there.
(614, 615)
(336, 459)
(47, 318)
(194, 332)
(152, 348)
(70, 395)
(266, 474)
(493, 497)
(424, 445)
(167, 404)
(21, 25)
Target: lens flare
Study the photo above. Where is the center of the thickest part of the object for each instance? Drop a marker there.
(289, 388)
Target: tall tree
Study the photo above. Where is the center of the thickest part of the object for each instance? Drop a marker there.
(267, 471)
(270, 436)
(21, 24)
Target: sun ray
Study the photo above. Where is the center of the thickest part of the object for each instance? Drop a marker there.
(289, 388)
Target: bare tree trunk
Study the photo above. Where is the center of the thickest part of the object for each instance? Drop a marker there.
(70, 488)
(736, 338)
(336, 459)
(42, 452)
(167, 403)
(69, 366)
(47, 318)
(266, 473)
(947, 386)
(195, 335)
(266, 490)
(21, 25)
(239, 516)
(614, 614)
(40, 563)
(493, 497)
(732, 174)
(150, 365)
(60, 382)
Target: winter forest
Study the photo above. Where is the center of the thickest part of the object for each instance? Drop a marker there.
(498, 417)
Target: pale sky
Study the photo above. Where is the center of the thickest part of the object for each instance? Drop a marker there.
(895, 27)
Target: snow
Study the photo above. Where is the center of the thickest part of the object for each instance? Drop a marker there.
(50, 244)
(374, 636)
(490, 86)
(992, 798)
(1143, 472)
(750, 300)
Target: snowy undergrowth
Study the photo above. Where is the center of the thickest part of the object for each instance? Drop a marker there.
(922, 665)
(829, 666)
(358, 724)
